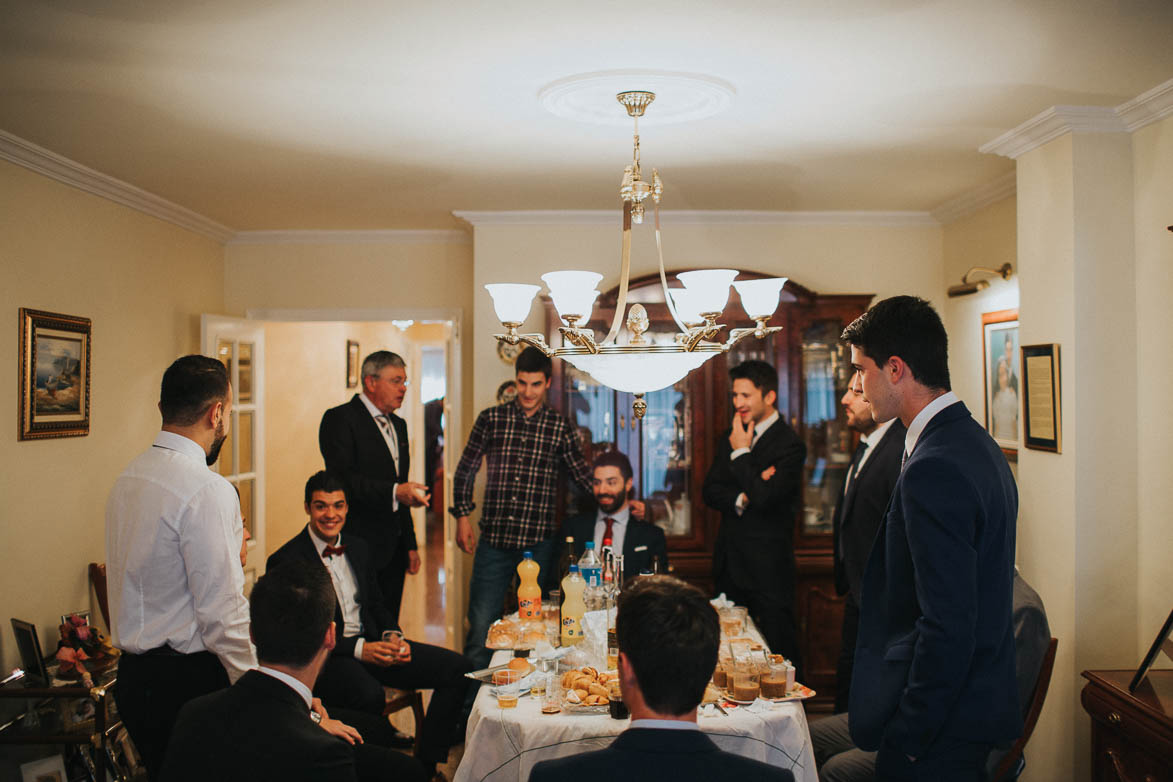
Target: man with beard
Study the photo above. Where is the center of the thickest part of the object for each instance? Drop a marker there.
(640, 542)
(173, 540)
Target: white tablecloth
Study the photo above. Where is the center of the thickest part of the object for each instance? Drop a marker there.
(504, 744)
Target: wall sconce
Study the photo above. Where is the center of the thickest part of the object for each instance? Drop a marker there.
(967, 287)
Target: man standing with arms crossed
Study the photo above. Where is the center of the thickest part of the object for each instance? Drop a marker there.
(365, 443)
(524, 442)
(173, 542)
(933, 688)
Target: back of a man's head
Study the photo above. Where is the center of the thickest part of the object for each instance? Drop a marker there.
(190, 386)
(669, 633)
(908, 327)
(291, 607)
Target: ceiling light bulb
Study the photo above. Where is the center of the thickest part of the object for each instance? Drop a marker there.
(708, 288)
(759, 298)
(573, 293)
(512, 301)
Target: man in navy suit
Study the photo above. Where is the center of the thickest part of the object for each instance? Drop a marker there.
(933, 687)
(365, 443)
(866, 491)
(639, 542)
(361, 663)
(668, 636)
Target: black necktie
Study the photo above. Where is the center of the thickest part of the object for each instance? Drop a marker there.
(855, 460)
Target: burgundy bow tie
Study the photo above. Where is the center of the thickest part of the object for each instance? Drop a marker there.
(330, 551)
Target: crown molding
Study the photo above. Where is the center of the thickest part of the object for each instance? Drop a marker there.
(978, 198)
(25, 153)
(388, 236)
(695, 217)
(1050, 125)
(1148, 107)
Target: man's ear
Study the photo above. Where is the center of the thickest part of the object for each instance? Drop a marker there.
(330, 641)
(215, 413)
(770, 398)
(896, 370)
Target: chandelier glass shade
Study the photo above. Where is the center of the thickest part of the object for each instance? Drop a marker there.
(639, 365)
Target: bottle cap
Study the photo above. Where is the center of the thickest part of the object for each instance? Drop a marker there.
(574, 568)
(528, 554)
(590, 544)
(569, 538)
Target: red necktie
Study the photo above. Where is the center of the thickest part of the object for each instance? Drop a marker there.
(330, 551)
(607, 540)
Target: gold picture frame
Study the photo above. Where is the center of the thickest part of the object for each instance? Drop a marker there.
(352, 366)
(54, 375)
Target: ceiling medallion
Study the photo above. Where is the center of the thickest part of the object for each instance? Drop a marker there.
(640, 365)
(684, 97)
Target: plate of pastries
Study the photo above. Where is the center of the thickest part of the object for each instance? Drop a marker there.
(587, 690)
(510, 633)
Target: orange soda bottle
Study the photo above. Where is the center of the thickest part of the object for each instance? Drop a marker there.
(529, 594)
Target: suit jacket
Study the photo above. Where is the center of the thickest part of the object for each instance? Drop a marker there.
(258, 728)
(935, 653)
(858, 513)
(757, 547)
(354, 449)
(373, 613)
(642, 542)
(639, 754)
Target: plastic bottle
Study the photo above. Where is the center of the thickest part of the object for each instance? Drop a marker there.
(529, 594)
(572, 607)
(591, 568)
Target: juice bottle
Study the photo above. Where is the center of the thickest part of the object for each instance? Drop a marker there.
(529, 594)
(572, 607)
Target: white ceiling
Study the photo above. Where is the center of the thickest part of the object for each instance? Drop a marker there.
(368, 114)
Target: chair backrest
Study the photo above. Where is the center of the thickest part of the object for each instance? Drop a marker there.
(1011, 760)
(98, 580)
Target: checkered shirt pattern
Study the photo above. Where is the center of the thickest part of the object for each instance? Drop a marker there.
(523, 454)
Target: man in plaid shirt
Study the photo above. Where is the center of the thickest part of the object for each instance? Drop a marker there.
(524, 442)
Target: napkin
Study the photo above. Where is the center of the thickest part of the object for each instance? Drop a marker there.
(720, 601)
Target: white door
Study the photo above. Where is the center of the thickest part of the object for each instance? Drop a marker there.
(240, 344)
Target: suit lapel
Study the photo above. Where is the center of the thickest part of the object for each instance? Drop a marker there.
(306, 550)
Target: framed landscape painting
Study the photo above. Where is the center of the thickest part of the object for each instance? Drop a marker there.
(54, 375)
(1001, 371)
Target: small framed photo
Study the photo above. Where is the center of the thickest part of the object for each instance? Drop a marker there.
(1041, 403)
(352, 364)
(1162, 643)
(54, 375)
(51, 769)
(1001, 371)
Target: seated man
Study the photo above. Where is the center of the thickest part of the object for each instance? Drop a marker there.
(640, 542)
(361, 664)
(262, 726)
(668, 637)
(839, 760)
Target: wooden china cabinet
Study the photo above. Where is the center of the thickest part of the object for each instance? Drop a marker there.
(672, 447)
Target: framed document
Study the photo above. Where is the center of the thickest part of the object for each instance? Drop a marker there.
(1041, 408)
(1162, 642)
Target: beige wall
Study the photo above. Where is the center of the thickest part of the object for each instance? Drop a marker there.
(144, 284)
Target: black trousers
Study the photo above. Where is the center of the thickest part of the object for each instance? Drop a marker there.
(391, 577)
(947, 760)
(151, 689)
(347, 683)
(374, 761)
(773, 612)
(846, 655)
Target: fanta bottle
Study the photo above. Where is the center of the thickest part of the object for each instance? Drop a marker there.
(529, 594)
(573, 607)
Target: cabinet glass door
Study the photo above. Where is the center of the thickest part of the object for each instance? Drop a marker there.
(829, 443)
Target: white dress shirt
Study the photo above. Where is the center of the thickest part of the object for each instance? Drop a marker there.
(173, 535)
(872, 440)
(664, 724)
(296, 685)
(345, 589)
(618, 529)
(392, 441)
(759, 429)
(923, 417)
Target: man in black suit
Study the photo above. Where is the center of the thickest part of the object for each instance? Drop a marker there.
(365, 444)
(870, 480)
(933, 688)
(361, 663)
(754, 482)
(639, 542)
(668, 636)
(262, 727)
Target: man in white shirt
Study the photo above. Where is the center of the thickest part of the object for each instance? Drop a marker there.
(668, 636)
(173, 540)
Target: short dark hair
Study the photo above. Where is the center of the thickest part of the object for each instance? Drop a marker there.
(761, 374)
(669, 632)
(908, 327)
(614, 459)
(190, 386)
(323, 481)
(373, 364)
(290, 608)
(534, 360)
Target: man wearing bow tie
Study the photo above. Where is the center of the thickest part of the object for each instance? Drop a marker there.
(361, 663)
(365, 444)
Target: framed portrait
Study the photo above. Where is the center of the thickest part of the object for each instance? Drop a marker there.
(51, 769)
(1001, 373)
(1041, 403)
(352, 366)
(1162, 643)
(29, 646)
(54, 375)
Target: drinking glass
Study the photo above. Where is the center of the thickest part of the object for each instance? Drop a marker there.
(508, 688)
(552, 700)
(774, 683)
(395, 637)
(617, 707)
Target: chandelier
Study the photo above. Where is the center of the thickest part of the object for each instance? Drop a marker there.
(639, 365)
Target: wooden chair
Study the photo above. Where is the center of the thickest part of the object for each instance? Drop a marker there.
(1012, 762)
(98, 581)
(397, 700)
